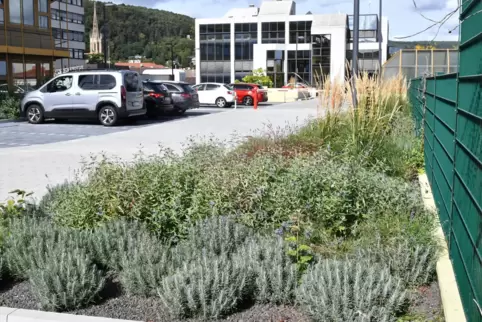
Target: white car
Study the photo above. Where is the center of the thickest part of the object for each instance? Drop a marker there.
(106, 95)
(217, 94)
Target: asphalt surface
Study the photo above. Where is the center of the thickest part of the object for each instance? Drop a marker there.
(17, 134)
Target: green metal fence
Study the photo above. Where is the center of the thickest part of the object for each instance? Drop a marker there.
(448, 108)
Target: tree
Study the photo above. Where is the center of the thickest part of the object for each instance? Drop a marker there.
(95, 58)
(258, 76)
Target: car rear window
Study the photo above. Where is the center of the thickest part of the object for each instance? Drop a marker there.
(260, 87)
(228, 87)
(187, 88)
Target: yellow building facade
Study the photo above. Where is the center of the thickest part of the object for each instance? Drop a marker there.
(27, 46)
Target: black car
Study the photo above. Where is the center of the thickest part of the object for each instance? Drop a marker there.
(184, 97)
(157, 98)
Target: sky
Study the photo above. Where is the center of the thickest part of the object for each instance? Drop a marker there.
(404, 18)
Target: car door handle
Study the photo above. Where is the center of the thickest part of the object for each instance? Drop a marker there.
(68, 94)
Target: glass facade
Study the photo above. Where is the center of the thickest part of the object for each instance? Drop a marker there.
(321, 57)
(413, 63)
(273, 32)
(215, 53)
(245, 35)
(274, 66)
(368, 28)
(300, 32)
(299, 65)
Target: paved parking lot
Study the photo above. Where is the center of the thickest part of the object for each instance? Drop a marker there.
(17, 134)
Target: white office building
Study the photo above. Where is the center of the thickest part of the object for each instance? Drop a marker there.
(68, 32)
(284, 44)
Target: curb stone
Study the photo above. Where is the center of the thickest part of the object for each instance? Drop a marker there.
(449, 291)
(19, 315)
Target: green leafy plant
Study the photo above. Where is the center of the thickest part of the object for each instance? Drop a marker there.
(258, 76)
(9, 107)
(65, 278)
(350, 290)
(15, 206)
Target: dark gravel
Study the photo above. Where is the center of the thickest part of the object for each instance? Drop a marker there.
(427, 303)
(142, 309)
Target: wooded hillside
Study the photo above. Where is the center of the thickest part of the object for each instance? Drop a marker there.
(143, 31)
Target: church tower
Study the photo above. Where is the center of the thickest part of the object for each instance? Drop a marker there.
(95, 35)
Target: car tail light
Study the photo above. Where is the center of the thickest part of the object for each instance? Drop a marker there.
(186, 95)
(156, 95)
(230, 92)
(123, 94)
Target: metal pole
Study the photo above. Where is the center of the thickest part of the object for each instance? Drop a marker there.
(104, 39)
(172, 61)
(380, 36)
(354, 63)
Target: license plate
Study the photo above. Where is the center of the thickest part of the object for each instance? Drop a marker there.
(194, 97)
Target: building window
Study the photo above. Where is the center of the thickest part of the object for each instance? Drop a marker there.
(28, 13)
(245, 35)
(77, 53)
(215, 52)
(273, 33)
(321, 57)
(2, 17)
(3, 68)
(300, 32)
(15, 12)
(274, 67)
(299, 65)
(43, 22)
(43, 6)
(368, 28)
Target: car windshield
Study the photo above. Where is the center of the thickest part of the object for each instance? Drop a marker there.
(260, 87)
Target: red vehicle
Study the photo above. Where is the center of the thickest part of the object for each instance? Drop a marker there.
(245, 93)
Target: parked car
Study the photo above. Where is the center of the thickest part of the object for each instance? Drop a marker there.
(106, 95)
(245, 92)
(157, 98)
(215, 94)
(184, 97)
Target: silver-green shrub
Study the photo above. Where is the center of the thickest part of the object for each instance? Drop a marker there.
(110, 243)
(208, 288)
(144, 267)
(350, 290)
(65, 278)
(414, 264)
(28, 238)
(276, 275)
(146, 264)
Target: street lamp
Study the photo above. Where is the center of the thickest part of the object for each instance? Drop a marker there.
(105, 32)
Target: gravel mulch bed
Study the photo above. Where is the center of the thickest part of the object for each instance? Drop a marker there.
(142, 309)
(427, 303)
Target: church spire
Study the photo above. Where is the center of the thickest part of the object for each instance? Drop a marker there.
(95, 25)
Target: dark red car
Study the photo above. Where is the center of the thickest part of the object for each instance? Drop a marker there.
(245, 93)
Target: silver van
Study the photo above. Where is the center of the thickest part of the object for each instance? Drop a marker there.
(106, 95)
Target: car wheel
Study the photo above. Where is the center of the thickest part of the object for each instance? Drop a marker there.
(108, 115)
(35, 114)
(221, 102)
(248, 100)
